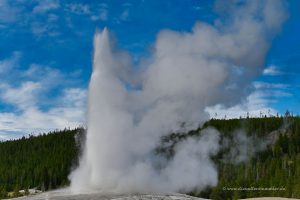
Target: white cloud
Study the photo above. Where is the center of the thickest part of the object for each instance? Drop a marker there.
(8, 13)
(258, 103)
(52, 18)
(45, 6)
(275, 93)
(198, 8)
(261, 85)
(23, 96)
(102, 15)
(78, 8)
(97, 12)
(38, 28)
(34, 120)
(33, 107)
(17, 12)
(74, 97)
(272, 71)
(255, 105)
(49, 27)
(9, 63)
(43, 74)
(125, 14)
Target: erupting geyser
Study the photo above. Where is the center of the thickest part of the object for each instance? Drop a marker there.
(187, 72)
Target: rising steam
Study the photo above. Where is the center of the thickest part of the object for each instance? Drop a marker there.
(129, 111)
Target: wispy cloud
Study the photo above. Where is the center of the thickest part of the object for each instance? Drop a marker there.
(38, 101)
(125, 15)
(34, 120)
(275, 93)
(78, 8)
(198, 8)
(39, 17)
(49, 26)
(8, 13)
(21, 97)
(45, 6)
(95, 12)
(272, 71)
(101, 15)
(259, 103)
(8, 63)
(255, 105)
(266, 85)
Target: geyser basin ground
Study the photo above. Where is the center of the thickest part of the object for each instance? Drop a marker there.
(65, 195)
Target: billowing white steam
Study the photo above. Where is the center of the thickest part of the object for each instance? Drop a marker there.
(129, 111)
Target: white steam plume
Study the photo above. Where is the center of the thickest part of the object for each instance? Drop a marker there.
(243, 147)
(187, 72)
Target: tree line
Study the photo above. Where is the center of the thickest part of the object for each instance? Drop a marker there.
(42, 162)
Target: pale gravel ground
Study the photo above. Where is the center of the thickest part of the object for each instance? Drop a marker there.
(61, 195)
(64, 195)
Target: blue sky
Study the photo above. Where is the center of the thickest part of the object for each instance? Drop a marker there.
(46, 51)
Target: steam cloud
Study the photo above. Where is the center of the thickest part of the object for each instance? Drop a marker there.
(242, 147)
(129, 111)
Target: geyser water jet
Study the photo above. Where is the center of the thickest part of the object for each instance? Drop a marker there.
(187, 72)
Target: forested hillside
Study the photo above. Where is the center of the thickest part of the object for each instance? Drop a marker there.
(275, 167)
(272, 160)
(41, 162)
